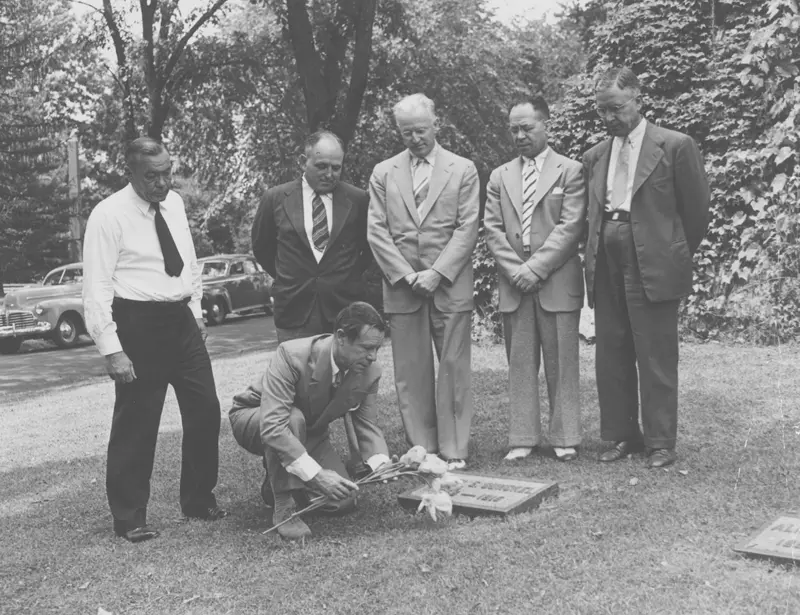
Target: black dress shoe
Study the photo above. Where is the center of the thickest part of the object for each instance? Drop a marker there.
(137, 534)
(212, 513)
(621, 450)
(661, 458)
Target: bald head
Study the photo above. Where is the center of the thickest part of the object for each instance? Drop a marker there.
(322, 161)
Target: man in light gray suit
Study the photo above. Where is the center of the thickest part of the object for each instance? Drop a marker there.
(422, 227)
(535, 210)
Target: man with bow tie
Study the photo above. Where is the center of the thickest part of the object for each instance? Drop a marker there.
(423, 226)
(648, 211)
(141, 294)
(284, 416)
(535, 210)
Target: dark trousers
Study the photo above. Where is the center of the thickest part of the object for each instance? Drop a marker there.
(633, 331)
(316, 324)
(164, 344)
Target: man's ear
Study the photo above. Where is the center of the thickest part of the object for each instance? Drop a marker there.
(302, 160)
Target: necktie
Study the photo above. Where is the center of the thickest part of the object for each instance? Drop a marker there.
(619, 189)
(173, 263)
(530, 175)
(421, 180)
(319, 232)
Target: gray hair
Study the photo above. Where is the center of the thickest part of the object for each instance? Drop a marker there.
(143, 146)
(414, 103)
(318, 136)
(622, 77)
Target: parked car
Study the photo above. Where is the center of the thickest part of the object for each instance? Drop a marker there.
(234, 284)
(52, 310)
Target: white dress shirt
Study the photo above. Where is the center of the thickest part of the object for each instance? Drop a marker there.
(305, 466)
(122, 258)
(308, 214)
(635, 137)
(538, 160)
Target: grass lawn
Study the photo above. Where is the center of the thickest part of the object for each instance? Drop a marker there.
(604, 545)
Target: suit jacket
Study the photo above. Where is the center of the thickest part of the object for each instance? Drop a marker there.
(280, 244)
(669, 210)
(557, 224)
(300, 376)
(441, 236)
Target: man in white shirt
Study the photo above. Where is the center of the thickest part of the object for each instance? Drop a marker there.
(647, 214)
(141, 294)
(284, 416)
(535, 216)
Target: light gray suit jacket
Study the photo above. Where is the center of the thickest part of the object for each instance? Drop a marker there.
(557, 224)
(441, 236)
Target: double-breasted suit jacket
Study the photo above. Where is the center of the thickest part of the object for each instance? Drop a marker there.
(280, 244)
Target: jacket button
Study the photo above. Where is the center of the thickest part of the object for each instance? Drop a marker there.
(517, 235)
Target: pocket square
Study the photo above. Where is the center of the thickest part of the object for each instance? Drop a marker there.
(557, 190)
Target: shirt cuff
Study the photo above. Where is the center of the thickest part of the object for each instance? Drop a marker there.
(109, 344)
(377, 460)
(304, 467)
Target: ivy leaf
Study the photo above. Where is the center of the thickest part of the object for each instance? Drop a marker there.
(779, 182)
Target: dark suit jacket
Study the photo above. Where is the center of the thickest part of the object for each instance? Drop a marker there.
(300, 376)
(281, 245)
(669, 210)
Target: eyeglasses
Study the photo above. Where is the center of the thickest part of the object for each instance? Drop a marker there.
(613, 109)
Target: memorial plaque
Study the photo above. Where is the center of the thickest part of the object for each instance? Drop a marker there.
(779, 539)
(489, 495)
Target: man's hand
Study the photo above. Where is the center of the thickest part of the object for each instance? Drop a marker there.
(328, 482)
(427, 282)
(525, 279)
(410, 278)
(202, 326)
(120, 368)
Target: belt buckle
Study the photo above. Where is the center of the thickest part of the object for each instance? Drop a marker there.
(615, 215)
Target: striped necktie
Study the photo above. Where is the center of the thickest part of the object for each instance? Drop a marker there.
(421, 180)
(619, 189)
(319, 232)
(530, 176)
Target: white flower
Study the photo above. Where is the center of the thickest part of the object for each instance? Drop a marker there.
(440, 501)
(414, 456)
(448, 483)
(432, 464)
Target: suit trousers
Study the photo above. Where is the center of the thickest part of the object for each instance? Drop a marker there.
(164, 344)
(532, 333)
(633, 331)
(436, 412)
(316, 324)
(246, 429)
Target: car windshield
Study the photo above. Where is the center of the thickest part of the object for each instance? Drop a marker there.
(213, 269)
(53, 278)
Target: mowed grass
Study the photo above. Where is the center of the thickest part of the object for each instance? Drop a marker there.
(604, 545)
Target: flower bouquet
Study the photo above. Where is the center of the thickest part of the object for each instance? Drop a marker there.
(417, 462)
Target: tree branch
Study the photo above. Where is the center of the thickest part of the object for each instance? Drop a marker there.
(362, 53)
(176, 54)
(308, 63)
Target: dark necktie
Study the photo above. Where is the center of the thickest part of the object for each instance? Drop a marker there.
(319, 231)
(173, 263)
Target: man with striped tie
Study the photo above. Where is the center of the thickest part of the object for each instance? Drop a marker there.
(534, 219)
(423, 226)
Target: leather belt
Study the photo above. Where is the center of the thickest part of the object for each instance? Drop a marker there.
(151, 304)
(617, 215)
(526, 250)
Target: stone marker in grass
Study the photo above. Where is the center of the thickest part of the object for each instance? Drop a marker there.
(483, 495)
(779, 540)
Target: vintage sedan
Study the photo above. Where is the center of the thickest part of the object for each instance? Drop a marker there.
(234, 284)
(52, 310)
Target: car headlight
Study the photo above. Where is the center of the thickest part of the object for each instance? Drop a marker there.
(38, 309)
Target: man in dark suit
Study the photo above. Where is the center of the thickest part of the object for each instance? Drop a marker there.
(310, 235)
(648, 211)
(284, 416)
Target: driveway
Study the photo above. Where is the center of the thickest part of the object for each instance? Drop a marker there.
(40, 365)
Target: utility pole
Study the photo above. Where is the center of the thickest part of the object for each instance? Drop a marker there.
(75, 220)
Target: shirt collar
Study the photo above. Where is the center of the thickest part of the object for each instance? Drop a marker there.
(431, 157)
(310, 191)
(637, 134)
(140, 203)
(540, 158)
(334, 368)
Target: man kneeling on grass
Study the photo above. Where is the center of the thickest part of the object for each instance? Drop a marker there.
(284, 418)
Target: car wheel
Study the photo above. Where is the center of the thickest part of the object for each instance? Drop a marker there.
(65, 335)
(216, 313)
(10, 345)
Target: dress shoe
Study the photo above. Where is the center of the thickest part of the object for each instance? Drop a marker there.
(456, 464)
(137, 534)
(296, 529)
(357, 469)
(565, 454)
(211, 513)
(621, 450)
(518, 453)
(661, 458)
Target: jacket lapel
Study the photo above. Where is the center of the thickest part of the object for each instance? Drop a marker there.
(319, 387)
(440, 175)
(402, 177)
(512, 182)
(293, 204)
(600, 173)
(549, 176)
(649, 156)
(340, 210)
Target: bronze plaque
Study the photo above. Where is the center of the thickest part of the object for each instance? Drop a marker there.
(489, 495)
(779, 539)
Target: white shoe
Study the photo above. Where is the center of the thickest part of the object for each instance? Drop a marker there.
(456, 464)
(565, 454)
(518, 453)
